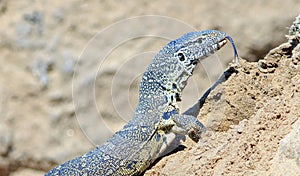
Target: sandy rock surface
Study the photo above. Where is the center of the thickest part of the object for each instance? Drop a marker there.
(252, 117)
(257, 132)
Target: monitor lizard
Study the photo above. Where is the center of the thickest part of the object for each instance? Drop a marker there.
(157, 126)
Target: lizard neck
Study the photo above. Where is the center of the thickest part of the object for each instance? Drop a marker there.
(157, 95)
(152, 98)
(161, 86)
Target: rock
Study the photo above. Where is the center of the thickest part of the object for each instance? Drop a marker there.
(295, 27)
(242, 125)
(287, 158)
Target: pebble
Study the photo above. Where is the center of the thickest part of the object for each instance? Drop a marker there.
(242, 125)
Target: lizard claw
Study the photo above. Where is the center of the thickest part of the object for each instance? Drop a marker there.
(189, 125)
(195, 135)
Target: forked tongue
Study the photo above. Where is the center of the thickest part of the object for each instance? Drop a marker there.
(236, 59)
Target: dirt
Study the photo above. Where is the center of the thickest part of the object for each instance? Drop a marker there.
(257, 131)
(252, 118)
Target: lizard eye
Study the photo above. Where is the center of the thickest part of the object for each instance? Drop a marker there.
(181, 57)
(199, 40)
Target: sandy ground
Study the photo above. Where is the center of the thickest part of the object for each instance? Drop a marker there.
(252, 117)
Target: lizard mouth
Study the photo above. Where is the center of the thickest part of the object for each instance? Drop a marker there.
(221, 43)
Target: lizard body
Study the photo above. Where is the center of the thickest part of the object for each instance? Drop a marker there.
(156, 124)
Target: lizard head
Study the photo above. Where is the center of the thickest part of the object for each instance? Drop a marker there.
(194, 46)
(174, 64)
(186, 52)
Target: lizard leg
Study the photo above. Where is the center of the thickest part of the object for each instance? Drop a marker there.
(188, 125)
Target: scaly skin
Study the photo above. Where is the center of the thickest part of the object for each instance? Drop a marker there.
(156, 127)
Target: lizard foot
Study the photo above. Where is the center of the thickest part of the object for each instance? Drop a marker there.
(188, 125)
